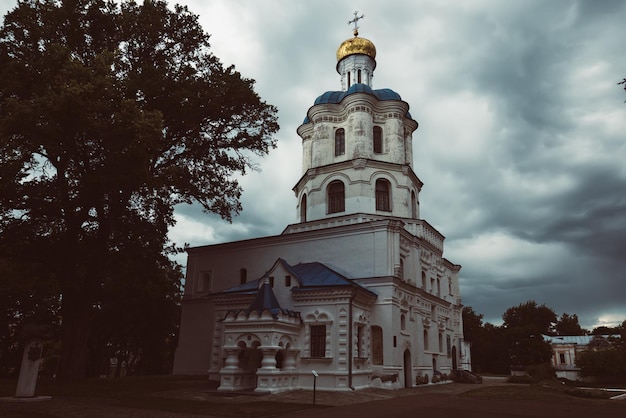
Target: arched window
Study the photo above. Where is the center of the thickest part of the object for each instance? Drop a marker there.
(377, 345)
(348, 79)
(303, 208)
(382, 195)
(359, 76)
(340, 142)
(336, 197)
(413, 205)
(378, 140)
(426, 340)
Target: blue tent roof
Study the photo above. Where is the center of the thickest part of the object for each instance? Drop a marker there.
(335, 97)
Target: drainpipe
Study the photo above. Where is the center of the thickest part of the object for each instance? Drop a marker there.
(350, 340)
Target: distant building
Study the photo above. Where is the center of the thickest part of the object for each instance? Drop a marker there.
(565, 349)
(358, 290)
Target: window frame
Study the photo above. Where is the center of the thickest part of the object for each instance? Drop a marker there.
(382, 189)
(340, 142)
(377, 140)
(336, 199)
(317, 340)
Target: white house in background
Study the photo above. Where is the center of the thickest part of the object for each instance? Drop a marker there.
(358, 290)
(566, 348)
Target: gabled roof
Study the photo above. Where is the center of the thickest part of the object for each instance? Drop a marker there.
(308, 275)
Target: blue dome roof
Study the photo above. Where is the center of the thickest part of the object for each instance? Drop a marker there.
(335, 97)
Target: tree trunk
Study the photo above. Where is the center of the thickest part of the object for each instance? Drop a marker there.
(74, 336)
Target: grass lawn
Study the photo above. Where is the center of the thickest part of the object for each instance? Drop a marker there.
(184, 396)
(151, 396)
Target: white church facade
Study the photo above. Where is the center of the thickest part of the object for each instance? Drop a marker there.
(358, 290)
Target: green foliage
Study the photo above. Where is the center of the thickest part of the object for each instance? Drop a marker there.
(529, 319)
(110, 115)
(607, 363)
(568, 325)
(488, 351)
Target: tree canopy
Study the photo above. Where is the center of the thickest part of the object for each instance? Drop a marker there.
(110, 115)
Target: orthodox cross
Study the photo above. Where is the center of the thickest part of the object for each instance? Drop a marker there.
(355, 20)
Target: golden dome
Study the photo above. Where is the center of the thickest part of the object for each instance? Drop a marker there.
(356, 45)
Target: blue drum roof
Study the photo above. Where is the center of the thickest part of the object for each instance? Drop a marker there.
(338, 96)
(335, 97)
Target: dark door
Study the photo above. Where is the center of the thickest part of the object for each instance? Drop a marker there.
(408, 383)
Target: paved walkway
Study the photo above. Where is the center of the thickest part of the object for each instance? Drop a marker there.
(437, 405)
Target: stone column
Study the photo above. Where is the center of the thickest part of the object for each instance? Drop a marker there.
(232, 358)
(289, 358)
(269, 357)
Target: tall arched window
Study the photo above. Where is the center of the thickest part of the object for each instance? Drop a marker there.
(336, 197)
(382, 195)
(413, 205)
(378, 140)
(340, 142)
(359, 76)
(348, 79)
(303, 208)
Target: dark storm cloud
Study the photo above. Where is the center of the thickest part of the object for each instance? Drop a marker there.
(520, 144)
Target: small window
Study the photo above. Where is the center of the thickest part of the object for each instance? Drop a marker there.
(360, 341)
(378, 140)
(287, 281)
(318, 340)
(440, 342)
(423, 280)
(243, 276)
(205, 281)
(448, 346)
(562, 358)
(271, 281)
(382, 195)
(336, 197)
(340, 142)
(413, 205)
(402, 322)
(358, 75)
(426, 345)
(348, 79)
(377, 345)
(438, 286)
(303, 208)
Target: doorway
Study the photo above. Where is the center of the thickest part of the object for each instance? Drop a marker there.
(408, 383)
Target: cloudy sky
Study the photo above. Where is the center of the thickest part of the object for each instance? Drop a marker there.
(521, 143)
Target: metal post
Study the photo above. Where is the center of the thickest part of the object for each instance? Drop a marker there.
(314, 385)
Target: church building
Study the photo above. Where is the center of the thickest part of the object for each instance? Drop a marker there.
(357, 293)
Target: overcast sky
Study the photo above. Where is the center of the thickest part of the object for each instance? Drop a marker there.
(521, 142)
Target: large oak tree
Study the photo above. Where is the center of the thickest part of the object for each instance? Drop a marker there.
(110, 115)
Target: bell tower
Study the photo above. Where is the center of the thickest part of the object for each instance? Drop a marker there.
(357, 150)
